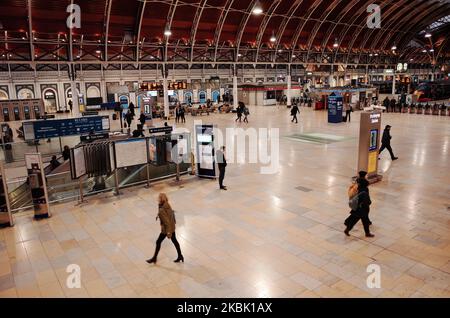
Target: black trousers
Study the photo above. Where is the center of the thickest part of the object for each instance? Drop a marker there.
(347, 115)
(177, 118)
(182, 118)
(354, 218)
(245, 119)
(161, 238)
(221, 177)
(294, 117)
(388, 147)
(239, 117)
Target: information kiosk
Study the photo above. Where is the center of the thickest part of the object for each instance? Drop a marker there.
(204, 137)
(38, 185)
(369, 145)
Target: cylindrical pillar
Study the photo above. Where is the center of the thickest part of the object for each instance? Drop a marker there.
(75, 104)
(289, 90)
(166, 98)
(393, 84)
(235, 92)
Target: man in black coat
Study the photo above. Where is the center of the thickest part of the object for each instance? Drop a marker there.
(221, 163)
(386, 142)
(362, 212)
(294, 112)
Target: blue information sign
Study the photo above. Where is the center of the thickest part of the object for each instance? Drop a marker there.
(335, 105)
(42, 129)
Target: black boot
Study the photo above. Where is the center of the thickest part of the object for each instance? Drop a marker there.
(179, 259)
(151, 260)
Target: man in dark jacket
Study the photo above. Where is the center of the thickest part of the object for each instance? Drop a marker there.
(294, 112)
(386, 103)
(392, 104)
(362, 212)
(132, 107)
(386, 142)
(221, 163)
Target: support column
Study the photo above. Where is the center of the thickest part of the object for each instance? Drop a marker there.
(393, 84)
(235, 92)
(75, 104)
(166, 92)
(289, 87)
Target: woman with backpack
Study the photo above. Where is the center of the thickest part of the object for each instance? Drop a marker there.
(360, 204)
(246, 113)
(167, 219)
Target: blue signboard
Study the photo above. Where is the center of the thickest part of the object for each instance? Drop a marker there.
(335, 105)
(42, 129)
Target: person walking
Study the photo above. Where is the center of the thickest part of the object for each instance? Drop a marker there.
(177, 113)
(361, 209)
(386, 103)
(70, 106)
(239, 113)
(142, 119)
(386, 142)
(132, 107)
(348, 112)
(246, 113)
(129, 118)
(66, 153)
(221, 163)
(167, 220)
(294, 112)
(182, 111)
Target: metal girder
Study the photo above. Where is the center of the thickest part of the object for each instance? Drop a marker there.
(220, 23)
(242, 26)
(394, 21)
(140, 17)
(300, 27)
(317, 25)
(417, 21)
(108, 5)
(198, 16)
(170, 15)
(286, 21)
(30, 29)
(362, 28)
(332, 27)
(417, 25)
(262, 28)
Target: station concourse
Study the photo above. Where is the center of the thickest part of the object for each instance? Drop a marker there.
(104, 105)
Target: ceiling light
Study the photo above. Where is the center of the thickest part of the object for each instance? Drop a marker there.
(428, 35)
(23, 38)
(370, 54)
(336, 44)
(98, 51)
(432, 50)
(257, 10)
(376, 54)
(411, 60)
(273, 38)
(239, 54)
(294, 56)
(280, 51)
(394, 47)
(424, 51)
(167, 33)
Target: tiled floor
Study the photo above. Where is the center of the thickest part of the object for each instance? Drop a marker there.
(267, 236)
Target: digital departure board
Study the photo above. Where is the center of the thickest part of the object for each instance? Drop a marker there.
(42, 129)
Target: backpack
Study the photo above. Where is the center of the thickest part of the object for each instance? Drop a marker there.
(353, 203)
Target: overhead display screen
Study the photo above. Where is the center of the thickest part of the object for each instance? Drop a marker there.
(42, 129)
